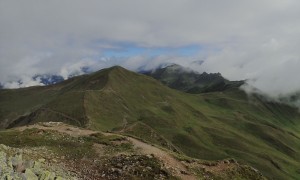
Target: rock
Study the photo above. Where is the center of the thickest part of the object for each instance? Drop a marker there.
(37, 167)
(16, 168)
(17, 160)
(29, 175)
(184, 172)
(59, 178)
(42, 160)
(2, 158)
(119, 171)
(9, 164)
(28, 164)
(20, 168)
(8, 177)
(232, 161)
(17, 163)
(119, 165)
(46, 175)
(3, 147)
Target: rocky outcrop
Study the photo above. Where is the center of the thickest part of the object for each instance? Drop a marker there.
(14, 166)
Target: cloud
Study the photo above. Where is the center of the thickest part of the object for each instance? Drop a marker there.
(270, 66)
(24, 82)
(256, 40)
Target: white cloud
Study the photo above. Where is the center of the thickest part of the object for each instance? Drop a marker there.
(25, 81)
(256, 40)
(270, 66)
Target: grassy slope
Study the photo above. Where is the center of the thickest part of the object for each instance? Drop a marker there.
(18, 102)
(207, 126)
(252, 132)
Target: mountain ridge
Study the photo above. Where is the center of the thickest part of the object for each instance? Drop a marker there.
(187, 80)
(211, 126)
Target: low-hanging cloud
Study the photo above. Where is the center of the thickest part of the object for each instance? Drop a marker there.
(270, 66)
(256, 40)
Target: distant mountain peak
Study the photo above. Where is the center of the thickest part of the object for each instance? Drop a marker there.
(176, 67)
(173, 68)
(199, 62)
(117, 67)
(185, 79)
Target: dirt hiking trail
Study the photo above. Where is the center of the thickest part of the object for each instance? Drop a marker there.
(176, 167)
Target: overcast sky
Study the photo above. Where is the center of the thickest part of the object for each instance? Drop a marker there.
(257, 40)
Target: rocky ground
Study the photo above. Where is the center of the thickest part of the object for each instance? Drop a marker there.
(59, 151)
(14, 166)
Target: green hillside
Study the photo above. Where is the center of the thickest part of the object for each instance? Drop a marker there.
(210, 126)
